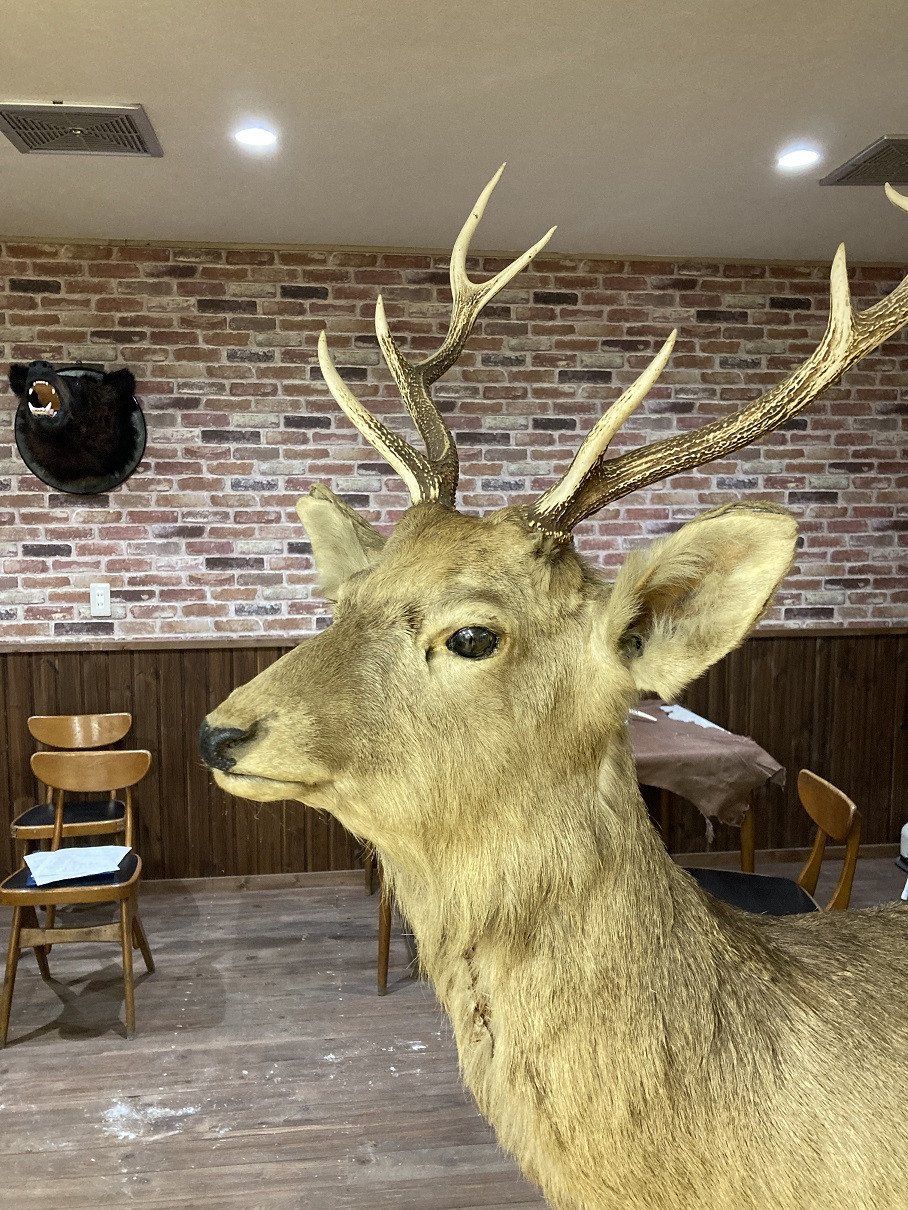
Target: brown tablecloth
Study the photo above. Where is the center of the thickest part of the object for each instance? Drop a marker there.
(714, 769)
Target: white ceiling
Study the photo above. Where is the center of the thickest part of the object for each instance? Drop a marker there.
(644, 127)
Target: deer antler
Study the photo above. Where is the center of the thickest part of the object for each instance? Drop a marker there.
(430, 476)
(592, 481)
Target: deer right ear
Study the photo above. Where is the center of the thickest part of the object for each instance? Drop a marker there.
(342, 542)
(690, 598)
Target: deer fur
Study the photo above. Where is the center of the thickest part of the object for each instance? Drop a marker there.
(636, 1044)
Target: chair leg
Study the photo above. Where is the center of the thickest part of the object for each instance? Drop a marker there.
(50, 914)
(30, 920)
(384, 936)
(126, 918)
(748, 852)
(369, 868)
(139, 939)
(9, 978)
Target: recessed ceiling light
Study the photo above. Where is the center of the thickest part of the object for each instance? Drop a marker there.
(256, 136)
(798, 157)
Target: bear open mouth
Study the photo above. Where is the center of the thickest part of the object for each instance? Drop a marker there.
(42, 399)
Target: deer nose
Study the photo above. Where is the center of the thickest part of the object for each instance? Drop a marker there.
(216, 742)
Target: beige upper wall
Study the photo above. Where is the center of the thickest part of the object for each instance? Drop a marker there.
(646, 128)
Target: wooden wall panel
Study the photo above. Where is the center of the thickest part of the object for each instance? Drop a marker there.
(187, 827)
(834, 703)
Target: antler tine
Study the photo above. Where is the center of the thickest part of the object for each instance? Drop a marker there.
(433, 477)
(897, 199)
(592, 481)
(409, 463)
(413, 379)
(585, 464)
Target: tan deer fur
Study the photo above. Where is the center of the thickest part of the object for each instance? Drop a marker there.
(636, 1044)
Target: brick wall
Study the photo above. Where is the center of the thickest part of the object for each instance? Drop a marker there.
(203, 540)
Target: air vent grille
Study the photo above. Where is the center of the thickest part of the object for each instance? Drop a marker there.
(79, 129)
(885, 161)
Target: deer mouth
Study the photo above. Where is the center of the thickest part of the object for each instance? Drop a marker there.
(43, 399)
(258, 788)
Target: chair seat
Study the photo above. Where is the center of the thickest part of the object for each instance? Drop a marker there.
(757, 893)
(76, 813)
(15, 887)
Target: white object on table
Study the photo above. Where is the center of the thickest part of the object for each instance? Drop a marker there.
(63, 865)
(678, 714)
(639, 714)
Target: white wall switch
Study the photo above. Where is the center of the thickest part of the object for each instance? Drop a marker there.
(99, 597)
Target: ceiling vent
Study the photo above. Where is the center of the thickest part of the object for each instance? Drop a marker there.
(79, 129)
(883, 162)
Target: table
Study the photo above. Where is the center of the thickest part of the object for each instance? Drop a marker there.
(682, 753)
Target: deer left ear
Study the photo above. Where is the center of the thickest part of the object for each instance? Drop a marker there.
(689, 599)
(342, 542)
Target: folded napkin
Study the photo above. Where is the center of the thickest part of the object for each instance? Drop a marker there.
(68, 864)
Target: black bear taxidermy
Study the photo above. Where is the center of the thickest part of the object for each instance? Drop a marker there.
(78, 429)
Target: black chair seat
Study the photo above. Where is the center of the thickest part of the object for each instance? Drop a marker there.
(75, 812)
(123, 873)
(758, 893)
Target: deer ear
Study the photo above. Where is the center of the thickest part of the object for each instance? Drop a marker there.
(689, 599)
(342, 542)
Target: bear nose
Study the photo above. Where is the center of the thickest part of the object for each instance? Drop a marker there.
(215, 743)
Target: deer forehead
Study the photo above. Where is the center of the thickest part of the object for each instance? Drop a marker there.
(440, 562)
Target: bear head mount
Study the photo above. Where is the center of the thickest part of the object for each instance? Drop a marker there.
(78, 429)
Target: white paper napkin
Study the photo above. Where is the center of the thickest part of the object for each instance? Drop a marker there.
(63, 865)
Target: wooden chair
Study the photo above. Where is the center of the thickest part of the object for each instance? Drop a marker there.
(84, 772)
(80, 818)
(837, 819)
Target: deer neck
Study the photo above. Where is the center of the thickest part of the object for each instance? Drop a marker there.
(574, 868)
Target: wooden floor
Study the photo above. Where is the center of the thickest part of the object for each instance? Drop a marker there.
(266, 1072)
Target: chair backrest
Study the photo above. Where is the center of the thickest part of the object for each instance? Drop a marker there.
(87, 772)
(79, 730)
(838, 819)
(91, 771)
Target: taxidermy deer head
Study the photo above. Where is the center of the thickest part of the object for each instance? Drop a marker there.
(635, 1044)
(485, 627)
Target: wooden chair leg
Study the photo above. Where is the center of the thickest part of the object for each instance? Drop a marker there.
(126, 918)
(139, 939)
(50, 914)
(9, 978)
(30, 920)
(384, 936)
(369, 868)
(748, 853)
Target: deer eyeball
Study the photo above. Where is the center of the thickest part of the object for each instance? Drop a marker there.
(473, 642)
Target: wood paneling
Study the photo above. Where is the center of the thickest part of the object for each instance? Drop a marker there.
(836, 703)
(187, 827)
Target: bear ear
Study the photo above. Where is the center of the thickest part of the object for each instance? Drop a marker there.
(123, 383)
(18, 376)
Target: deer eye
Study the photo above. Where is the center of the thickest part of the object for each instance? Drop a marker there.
(473, 642)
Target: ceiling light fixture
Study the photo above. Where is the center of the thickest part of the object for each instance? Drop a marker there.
(798, 157)
(256, 136)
